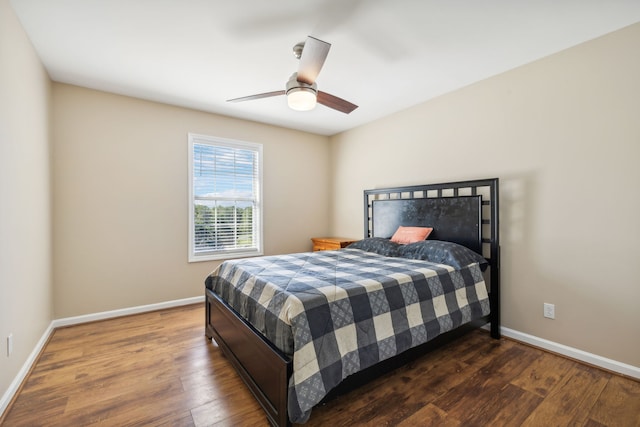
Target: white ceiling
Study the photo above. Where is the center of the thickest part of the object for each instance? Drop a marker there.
(386, 55)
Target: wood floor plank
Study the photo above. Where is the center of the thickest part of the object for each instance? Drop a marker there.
(409, 391)
(543, 374)
(406, 389)
(476, 398)
(184, 420)
(430, 415)
(236, 404)
(129, 408)
(478, 350)
(570, 402)
(157, 369)
(619, 403)
(509, 408)
(22, 413)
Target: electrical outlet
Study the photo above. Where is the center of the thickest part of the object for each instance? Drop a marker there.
(549, 311)
(9, 345)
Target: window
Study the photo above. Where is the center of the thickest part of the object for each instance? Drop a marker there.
(225, 186)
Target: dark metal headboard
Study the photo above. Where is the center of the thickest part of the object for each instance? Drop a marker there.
(465, 212)
(454, 219)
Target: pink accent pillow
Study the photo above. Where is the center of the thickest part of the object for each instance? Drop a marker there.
(406, 235)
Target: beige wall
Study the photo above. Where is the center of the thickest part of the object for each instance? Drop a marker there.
(120, 191)
(25, 228)
(563, 136)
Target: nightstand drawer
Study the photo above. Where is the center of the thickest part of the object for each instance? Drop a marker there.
(330, 243)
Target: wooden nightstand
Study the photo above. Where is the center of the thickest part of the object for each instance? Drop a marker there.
(330, 243)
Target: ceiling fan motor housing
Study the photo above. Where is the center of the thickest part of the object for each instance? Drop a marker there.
(294, 84)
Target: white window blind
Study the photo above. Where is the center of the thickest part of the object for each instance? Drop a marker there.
(225, 188)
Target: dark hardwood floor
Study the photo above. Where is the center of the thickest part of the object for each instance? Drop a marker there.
(157, 369)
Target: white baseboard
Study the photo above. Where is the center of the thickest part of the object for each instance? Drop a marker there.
(573, 353)
(26, 367)
(68, 321)
(24, 371)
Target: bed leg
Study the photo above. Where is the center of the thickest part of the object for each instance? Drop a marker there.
(495, 331)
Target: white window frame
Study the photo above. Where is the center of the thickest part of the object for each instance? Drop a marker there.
(257, 249)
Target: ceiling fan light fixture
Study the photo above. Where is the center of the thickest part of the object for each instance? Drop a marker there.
(301, 98)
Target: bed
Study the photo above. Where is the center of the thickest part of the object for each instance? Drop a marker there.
(302, 328)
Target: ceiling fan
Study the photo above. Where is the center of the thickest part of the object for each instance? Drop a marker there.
(301, 89)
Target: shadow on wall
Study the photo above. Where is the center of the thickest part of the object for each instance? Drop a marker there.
(518, 198)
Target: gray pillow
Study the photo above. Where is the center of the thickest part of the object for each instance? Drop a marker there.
(442, 252)
(378, 245)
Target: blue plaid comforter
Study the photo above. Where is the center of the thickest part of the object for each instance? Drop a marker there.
(338, 312)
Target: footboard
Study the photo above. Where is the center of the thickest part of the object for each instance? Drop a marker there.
(264, 369)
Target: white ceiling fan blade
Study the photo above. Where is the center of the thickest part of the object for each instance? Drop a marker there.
(313, 56)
